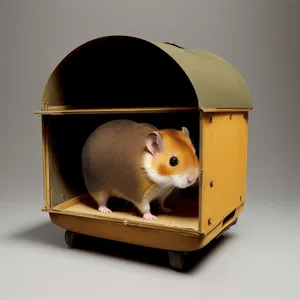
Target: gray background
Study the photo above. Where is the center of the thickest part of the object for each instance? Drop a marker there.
(259, 258)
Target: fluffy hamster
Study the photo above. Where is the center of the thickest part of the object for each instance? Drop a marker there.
(139, 163)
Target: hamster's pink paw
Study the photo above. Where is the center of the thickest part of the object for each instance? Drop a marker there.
(104, 209)
(149, 217)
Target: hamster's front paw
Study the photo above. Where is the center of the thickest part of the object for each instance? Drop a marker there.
(149, 217)
(104, 209)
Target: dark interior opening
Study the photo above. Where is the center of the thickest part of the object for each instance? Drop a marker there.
(119, 71)
(228, 218)
(68, 133)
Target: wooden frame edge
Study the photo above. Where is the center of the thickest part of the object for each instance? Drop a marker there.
(159, 238)
(201, 168)
(69, 109)
(62, 111)
(222, 110)
(182, 231)
(46, 170)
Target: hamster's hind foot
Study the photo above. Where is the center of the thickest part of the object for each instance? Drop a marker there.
(104, 209)
(149, 217)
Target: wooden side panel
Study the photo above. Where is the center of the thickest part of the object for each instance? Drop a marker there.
(224, 144)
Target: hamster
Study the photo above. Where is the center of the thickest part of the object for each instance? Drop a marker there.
(139, 163)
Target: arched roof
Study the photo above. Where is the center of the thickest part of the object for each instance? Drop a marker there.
(129, 72)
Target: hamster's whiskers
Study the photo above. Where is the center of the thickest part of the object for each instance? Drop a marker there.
(177, 189)
(168, 185)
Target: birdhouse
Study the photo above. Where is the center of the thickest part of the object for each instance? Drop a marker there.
(122, 77)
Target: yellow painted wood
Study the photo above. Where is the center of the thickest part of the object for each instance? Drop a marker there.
(161, 237)
(224, 161)
(230, 110)
(180, 220)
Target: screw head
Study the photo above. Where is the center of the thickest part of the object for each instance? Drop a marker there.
(210, 119)
(209, 221)
(230, 116)
(211, 184)
(241, 198)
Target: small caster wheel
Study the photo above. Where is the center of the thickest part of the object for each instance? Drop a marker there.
(177, 259)
(70, 238)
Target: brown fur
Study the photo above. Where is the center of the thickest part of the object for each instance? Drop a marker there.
(111, 159)
(113, 154)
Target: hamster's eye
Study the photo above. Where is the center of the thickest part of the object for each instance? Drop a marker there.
(173, 161)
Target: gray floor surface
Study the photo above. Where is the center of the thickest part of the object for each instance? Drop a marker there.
(257, 259)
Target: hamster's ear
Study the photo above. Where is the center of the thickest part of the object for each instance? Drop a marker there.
(154, 142)
(185, 131)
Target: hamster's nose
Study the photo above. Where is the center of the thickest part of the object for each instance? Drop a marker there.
(191, 179)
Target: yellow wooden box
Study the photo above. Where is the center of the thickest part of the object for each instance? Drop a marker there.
(163, 84)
